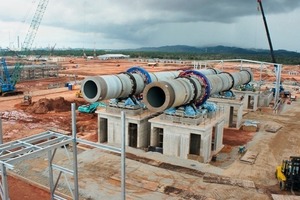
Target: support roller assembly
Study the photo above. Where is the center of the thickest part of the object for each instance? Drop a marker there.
(191, 87)
(130, 83)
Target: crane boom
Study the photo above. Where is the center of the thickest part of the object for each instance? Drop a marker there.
(277, 66)
(267, 30)
(34, 26)
(7, 84)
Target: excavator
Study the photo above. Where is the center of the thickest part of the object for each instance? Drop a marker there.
(91, 108)
(288, 174)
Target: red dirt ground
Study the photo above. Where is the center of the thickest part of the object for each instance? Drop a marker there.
(235, 137)
(19, 190)
(87, 124)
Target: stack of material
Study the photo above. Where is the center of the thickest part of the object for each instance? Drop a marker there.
(44, 105)
(250, 125)
(249, 157)
(210, 178)
(273, 128)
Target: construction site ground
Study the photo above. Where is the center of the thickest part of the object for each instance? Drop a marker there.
(149, 175)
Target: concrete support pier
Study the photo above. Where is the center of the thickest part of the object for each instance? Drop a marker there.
(197, 142)
(137, 130)
(250, 99)
(233, 110)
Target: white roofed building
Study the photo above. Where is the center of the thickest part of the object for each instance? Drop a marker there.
(113, 56)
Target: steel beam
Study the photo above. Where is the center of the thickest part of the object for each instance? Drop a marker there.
(99, 146)
(37, 152)
(4, 185)
(32, 139)
(123, 156)
(48, 141)
(74, 146)
(51, 182)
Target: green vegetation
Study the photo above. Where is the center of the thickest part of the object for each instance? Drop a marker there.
(180, 52)
(45, 52)
(282, 59)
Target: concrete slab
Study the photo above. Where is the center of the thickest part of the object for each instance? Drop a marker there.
(99, 178)
(249, 157)
(273, 128)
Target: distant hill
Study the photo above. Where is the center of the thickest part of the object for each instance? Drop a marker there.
(213, 53)
(210, 50)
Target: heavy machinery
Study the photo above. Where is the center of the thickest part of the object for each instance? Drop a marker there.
(288, 174)
(161, 91)
(9, 81)
(90, 108)
(276, 66)
(197, 87)
(34, 26)
(27, 100)
(78, 94)
(267, 30)
(293, 97)
(125, 89)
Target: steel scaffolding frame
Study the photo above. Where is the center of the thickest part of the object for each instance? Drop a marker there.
(48, 141)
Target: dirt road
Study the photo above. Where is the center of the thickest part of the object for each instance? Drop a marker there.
(272, 148)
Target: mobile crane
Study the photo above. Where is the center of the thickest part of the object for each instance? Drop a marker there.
(288, 173)
(5, 81)
(8, 82)
(276, 66)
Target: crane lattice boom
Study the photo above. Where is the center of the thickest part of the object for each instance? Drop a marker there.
(34, 26)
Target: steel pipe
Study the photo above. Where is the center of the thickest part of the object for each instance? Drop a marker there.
(190, 87)
(123, 85)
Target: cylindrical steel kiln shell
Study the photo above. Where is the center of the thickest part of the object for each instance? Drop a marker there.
(162, 95)
(121, 86)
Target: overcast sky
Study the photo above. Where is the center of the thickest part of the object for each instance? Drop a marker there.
(118, 24)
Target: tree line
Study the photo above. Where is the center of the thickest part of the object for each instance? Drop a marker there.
(282, 58)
